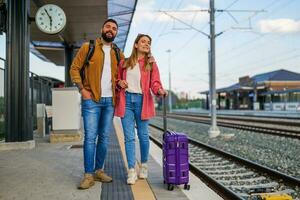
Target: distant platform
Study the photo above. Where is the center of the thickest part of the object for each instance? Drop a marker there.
(258, 113)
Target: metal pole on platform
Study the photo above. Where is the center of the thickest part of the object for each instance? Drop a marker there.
(210, 85)
(18, 118)
(170, 88)
(32, 104)
(214, 130)
(69, 50)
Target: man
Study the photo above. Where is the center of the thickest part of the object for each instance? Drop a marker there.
(98, 99)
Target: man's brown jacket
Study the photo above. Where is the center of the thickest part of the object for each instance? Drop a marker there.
(93, 72)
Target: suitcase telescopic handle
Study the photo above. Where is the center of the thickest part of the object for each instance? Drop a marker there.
(165, 113)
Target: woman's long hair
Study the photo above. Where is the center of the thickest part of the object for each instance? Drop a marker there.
(132, 60)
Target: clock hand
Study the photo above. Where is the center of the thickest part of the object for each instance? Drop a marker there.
(47, 13)
(49, 17)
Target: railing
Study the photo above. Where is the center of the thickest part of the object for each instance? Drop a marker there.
(284, 106)
(40, 92)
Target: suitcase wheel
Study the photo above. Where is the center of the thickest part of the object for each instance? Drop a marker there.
(170, 187)
(187, 186)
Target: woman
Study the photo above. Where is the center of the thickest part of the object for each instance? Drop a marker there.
(136, 78)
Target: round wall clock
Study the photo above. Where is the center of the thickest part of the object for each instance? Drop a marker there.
(50, 19)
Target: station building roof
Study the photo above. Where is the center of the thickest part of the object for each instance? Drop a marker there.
(278, 75)
(84, 21)
(297, 90)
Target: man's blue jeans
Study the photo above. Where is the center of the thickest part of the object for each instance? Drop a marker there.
(133, 115)
(97, 119)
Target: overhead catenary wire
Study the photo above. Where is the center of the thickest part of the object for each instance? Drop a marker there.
(202, 29)
(153, 21)
(282, 6)
(164, 27)
(188, 25)
(252, 41)
(201, 10)
(270, 4)
(255, 62)
(267, 65)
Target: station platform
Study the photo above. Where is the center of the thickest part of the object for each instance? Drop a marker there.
(53, 171)
(254, 113)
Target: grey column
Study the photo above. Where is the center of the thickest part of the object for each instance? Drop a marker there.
(219, 101)
(18, 118)
(170, 86)
(207, 101)
(238, 100)
(69, 51)
(235, 100)
(214, 130)
(254, 97)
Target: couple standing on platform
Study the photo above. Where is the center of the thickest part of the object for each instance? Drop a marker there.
(123, 89)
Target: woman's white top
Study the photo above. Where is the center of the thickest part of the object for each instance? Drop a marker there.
(133, 78)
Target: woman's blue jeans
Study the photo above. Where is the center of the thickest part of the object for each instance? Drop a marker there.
(133, 115)
(97, 119)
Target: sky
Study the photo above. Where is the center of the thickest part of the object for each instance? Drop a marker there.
(252, 42)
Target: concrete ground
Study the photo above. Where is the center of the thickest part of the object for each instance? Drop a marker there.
(49, 171)
(53, 171)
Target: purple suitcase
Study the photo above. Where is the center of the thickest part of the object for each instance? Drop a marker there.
(175, 158)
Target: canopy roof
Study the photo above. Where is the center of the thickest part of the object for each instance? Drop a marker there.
(84, 21)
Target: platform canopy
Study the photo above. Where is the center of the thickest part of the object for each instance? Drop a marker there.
(84, 20)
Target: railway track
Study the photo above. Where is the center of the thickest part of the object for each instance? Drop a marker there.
(231, 176)
(278, 127)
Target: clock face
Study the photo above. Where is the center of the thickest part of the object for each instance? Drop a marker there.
(50, 19)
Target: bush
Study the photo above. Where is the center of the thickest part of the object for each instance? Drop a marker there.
(185, 104)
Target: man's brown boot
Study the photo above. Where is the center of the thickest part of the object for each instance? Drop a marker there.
(102, 177)
(87, 182)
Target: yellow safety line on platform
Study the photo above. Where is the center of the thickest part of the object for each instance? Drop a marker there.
(141, 189)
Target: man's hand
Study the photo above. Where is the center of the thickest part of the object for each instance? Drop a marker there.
(162, 92)
(123, 84)
(151, 59)
(85, 94)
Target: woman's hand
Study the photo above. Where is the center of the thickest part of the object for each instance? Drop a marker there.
(162, 92)
(123, 84)
(85, 94)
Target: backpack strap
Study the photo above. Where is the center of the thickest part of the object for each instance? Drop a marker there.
(90, 52)
(87, 58)
(117, 52)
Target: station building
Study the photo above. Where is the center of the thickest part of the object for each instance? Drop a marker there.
(276, 90)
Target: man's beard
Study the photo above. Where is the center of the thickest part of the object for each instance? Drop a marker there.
(108, 39)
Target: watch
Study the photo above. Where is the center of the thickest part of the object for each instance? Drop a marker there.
(79, 86)
(50, 19)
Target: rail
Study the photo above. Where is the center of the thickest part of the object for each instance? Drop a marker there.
(246, 171)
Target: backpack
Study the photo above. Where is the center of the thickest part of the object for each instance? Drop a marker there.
(90, 54)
